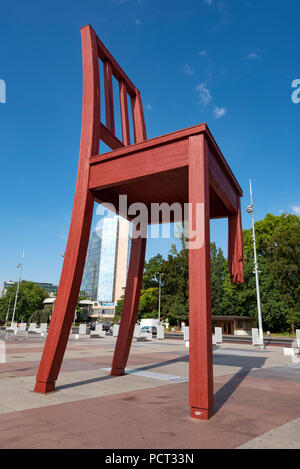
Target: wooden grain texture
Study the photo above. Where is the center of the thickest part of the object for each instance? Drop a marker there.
(78, 239)
(183, 166)
(109, 98)
(136, 165)
(124, 113)
(131, 304)
(200, 321)
(221, 184)
(139, 127)
(236, 258)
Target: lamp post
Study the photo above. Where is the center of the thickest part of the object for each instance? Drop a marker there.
(20, 266)
(260, 327)
(159, 274)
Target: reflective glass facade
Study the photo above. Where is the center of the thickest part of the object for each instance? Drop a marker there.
(89, 284)
(108, 260)
(105, 270)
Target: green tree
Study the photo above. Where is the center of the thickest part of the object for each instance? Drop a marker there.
(30, 299)
(151, 269)
(218, 272)
(283, 254)
(277, 239)
(148, 306)
(41, 315)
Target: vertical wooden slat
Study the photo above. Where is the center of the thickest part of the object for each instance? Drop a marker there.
(109, 99)
(138, 118)
(236, 246)
(124, 113)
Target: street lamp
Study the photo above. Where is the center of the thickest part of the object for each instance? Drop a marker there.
(20, 266)
(159, 274)
(250, 211)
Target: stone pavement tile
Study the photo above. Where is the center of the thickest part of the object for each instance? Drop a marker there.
(23, 350)
(51, 438)
(159, 418)
(141, 419)
(286, 436)
(29, 368)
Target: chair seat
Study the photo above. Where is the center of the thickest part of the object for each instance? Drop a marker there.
(156, 171)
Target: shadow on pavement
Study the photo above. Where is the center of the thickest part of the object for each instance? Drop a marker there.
(245, 363)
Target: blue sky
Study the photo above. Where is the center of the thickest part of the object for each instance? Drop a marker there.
(227, 63)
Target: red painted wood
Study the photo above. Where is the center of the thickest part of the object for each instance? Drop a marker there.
(110, 139)
(138, 118)
(74, 260)
(109, 99)
(182, 166)
(150, 143)
(200, 321)
(235, 246)
(117, 71)
(139, 164)
(124, 113)
(221, 184)
(131, 304)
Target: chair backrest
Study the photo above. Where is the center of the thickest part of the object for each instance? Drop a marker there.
(94, 50)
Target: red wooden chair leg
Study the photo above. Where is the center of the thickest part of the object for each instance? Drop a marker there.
(201, 364)
(67, 296)
(130, 307)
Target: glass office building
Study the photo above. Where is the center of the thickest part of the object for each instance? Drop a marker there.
(108, 260)
(89, 284)
(105, 271)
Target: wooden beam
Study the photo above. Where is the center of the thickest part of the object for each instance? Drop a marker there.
(150, 143)
(109, 98)
(138, 118)
(130, 307)
(124, 113)
(201, 362)
(117, 71)
(221, 184)
(111, 140)
(138, 164)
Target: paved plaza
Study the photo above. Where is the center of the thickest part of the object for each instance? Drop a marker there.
(257, 398)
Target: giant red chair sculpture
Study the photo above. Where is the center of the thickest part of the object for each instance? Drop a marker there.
(186, 167)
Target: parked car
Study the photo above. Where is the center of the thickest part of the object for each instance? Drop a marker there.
(148, 329)
(106, 326)
(91, 325)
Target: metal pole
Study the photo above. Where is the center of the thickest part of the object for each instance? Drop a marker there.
(159, 294)
(260, 326)
(20, 276)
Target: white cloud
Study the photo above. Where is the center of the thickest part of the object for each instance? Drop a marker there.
(187, 70)
(202, 53)
(149, 107)
(296, 209)
(137, 21)
(219, 112)
(253, 56)
(204, 94)
(209, 2)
